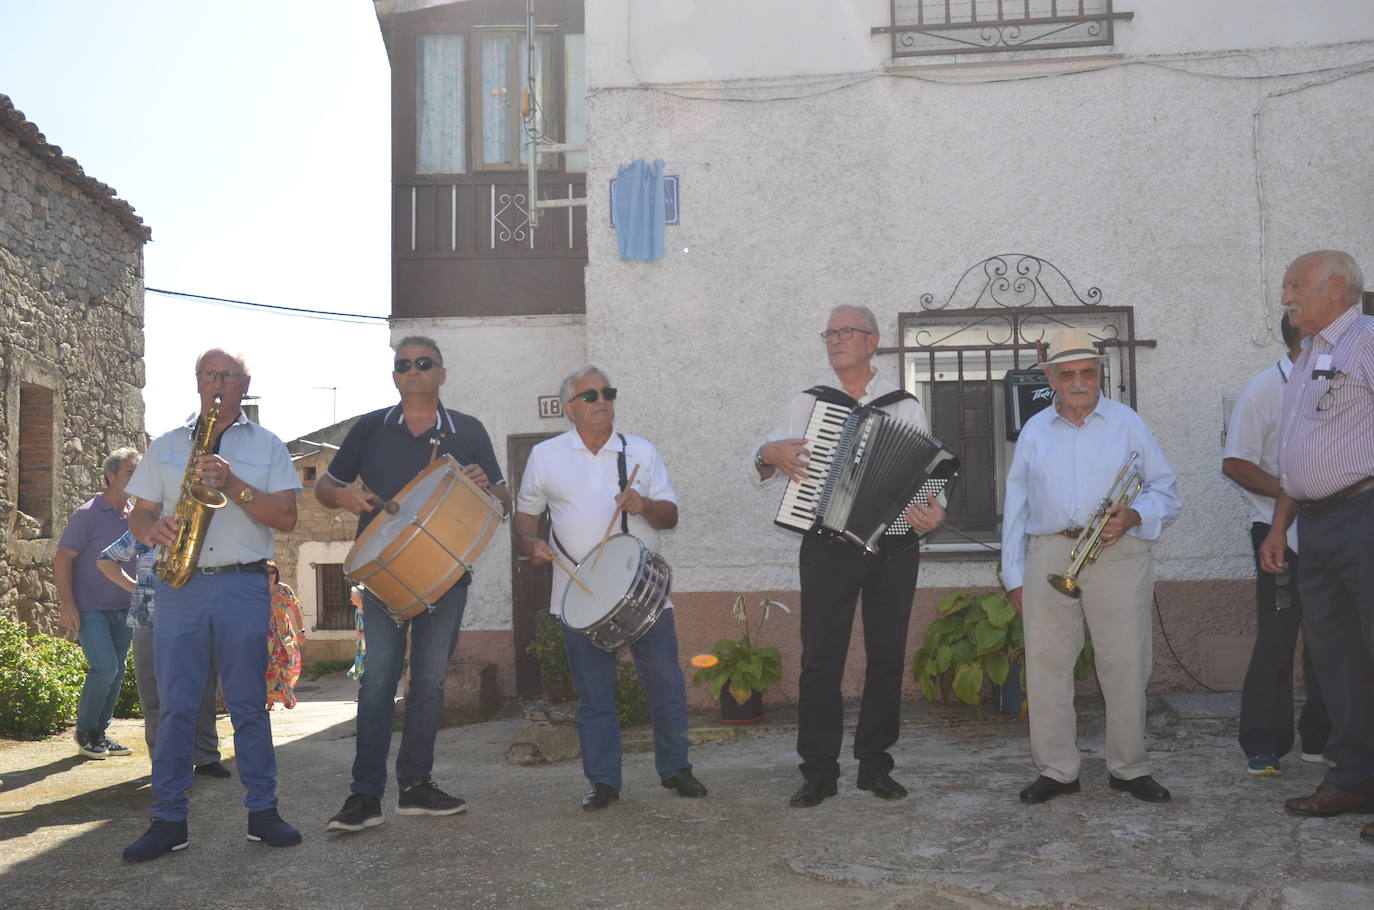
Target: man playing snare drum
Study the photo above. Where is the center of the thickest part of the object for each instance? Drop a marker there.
(387, 448)
(579, 477)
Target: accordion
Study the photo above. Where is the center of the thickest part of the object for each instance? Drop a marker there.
(865, 468)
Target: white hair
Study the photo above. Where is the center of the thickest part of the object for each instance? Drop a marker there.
(1335, 262)
(565, 390)
(870, 321)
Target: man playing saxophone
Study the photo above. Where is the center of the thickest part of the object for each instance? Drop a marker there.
(1068, 459)
(222, 609)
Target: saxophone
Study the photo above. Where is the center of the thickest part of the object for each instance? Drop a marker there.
(196, 505)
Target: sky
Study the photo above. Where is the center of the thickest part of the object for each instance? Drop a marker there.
(252, 136)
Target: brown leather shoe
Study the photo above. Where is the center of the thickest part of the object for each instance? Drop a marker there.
(1327, 801)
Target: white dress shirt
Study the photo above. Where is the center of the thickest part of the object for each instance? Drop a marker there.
(579, 490)
(1060, 473)
(1253, 436)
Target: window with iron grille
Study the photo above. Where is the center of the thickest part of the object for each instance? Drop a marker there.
(333, 609)
(931, 28)
(956, 355)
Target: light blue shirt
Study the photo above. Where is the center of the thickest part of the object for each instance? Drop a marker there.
(1060, 474)
(256, 456)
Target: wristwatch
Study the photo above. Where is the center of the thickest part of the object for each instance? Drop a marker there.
(246, 494)
(759, 463)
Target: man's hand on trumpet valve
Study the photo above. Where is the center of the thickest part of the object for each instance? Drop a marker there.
(1120, 519)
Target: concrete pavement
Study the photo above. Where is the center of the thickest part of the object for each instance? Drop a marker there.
(961, 840)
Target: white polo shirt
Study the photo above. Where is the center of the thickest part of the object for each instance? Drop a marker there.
(579, 489)
(1253, 436)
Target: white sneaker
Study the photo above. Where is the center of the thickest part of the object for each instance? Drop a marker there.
(1316, 759)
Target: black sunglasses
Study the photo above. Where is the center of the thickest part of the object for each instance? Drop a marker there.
(589, 396)
(423, 364)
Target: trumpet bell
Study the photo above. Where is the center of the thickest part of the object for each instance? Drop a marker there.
(1065, 585)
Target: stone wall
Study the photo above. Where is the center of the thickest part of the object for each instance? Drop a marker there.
(71, 349)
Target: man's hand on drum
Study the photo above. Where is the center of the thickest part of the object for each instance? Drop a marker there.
(539, 551)
(356, 500)
(925, 518)
(475, 473)
(630, 501)
(787, 455)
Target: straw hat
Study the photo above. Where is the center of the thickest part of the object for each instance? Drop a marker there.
(1070, 344)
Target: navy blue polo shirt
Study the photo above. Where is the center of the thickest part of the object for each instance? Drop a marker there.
(383, 452)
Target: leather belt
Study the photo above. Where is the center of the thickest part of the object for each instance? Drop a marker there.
(1310, 507)
(259, 567)
(1070, 533)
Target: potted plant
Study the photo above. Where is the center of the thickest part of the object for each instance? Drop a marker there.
(738, 670)
(977, 638)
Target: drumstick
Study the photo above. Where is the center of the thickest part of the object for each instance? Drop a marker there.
(573, 575)
(611, 527)
(390, 506)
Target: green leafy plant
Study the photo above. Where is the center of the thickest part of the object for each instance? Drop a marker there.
(325, 667)
(40, 681)
(976, 638)
(128, 704)
(741, 664)
(631, 701)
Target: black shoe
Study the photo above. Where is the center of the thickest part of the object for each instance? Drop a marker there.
(1145, 787)
(812, 791)
(685, 784)
(1045, 789)
(880, 784)
(213, 769)
(161, 837)
(267, 827)
(115, 748)
(599, 797)
(359, 811)
(427, 799)
(91, 745)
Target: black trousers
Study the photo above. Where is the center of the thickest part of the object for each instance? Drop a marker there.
(833, 576)
(1337, 586)
(1266, 701)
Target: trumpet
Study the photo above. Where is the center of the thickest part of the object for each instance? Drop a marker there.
(1088, 546)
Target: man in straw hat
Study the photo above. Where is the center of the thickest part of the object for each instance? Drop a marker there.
(1066, 461)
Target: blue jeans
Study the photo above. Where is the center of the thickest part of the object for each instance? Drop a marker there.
(224, 617)
(433, 636)
(598, 728)
(104, 637)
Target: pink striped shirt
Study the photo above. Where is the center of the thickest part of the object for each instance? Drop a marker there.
(1322, 452)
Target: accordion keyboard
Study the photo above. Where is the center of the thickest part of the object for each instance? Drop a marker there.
(801, 499)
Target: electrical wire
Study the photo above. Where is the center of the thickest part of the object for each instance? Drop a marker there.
(327, 315)
(1178, 660)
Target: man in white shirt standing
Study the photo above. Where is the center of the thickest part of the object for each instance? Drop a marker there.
(835, 572)
(1065, 462)
(581, 478)
(1251, 459)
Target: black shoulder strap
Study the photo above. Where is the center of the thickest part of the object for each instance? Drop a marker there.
(620, 466)
(831, 396)
(892, 397)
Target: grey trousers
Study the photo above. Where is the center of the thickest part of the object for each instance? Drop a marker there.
(1117, 592)
(207, 738)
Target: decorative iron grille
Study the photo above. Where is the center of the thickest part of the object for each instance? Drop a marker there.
(927, 28)
(955, 352)
(334, 609)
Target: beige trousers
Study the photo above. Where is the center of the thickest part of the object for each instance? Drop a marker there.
(1117, 593)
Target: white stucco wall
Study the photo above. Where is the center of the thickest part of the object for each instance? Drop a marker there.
(497, 369)
(1179, 187)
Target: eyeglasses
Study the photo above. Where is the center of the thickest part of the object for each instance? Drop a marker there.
(843, 334)
(589, 396)
(423, 364)
(228, 377)
(1329, 396)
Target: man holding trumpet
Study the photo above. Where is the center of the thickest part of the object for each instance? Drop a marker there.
(1067, 459)
(581, 478)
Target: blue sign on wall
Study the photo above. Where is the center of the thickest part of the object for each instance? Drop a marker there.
(670, 199)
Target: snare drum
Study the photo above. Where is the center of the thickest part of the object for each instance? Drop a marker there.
(629, 591)
(413, 556)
